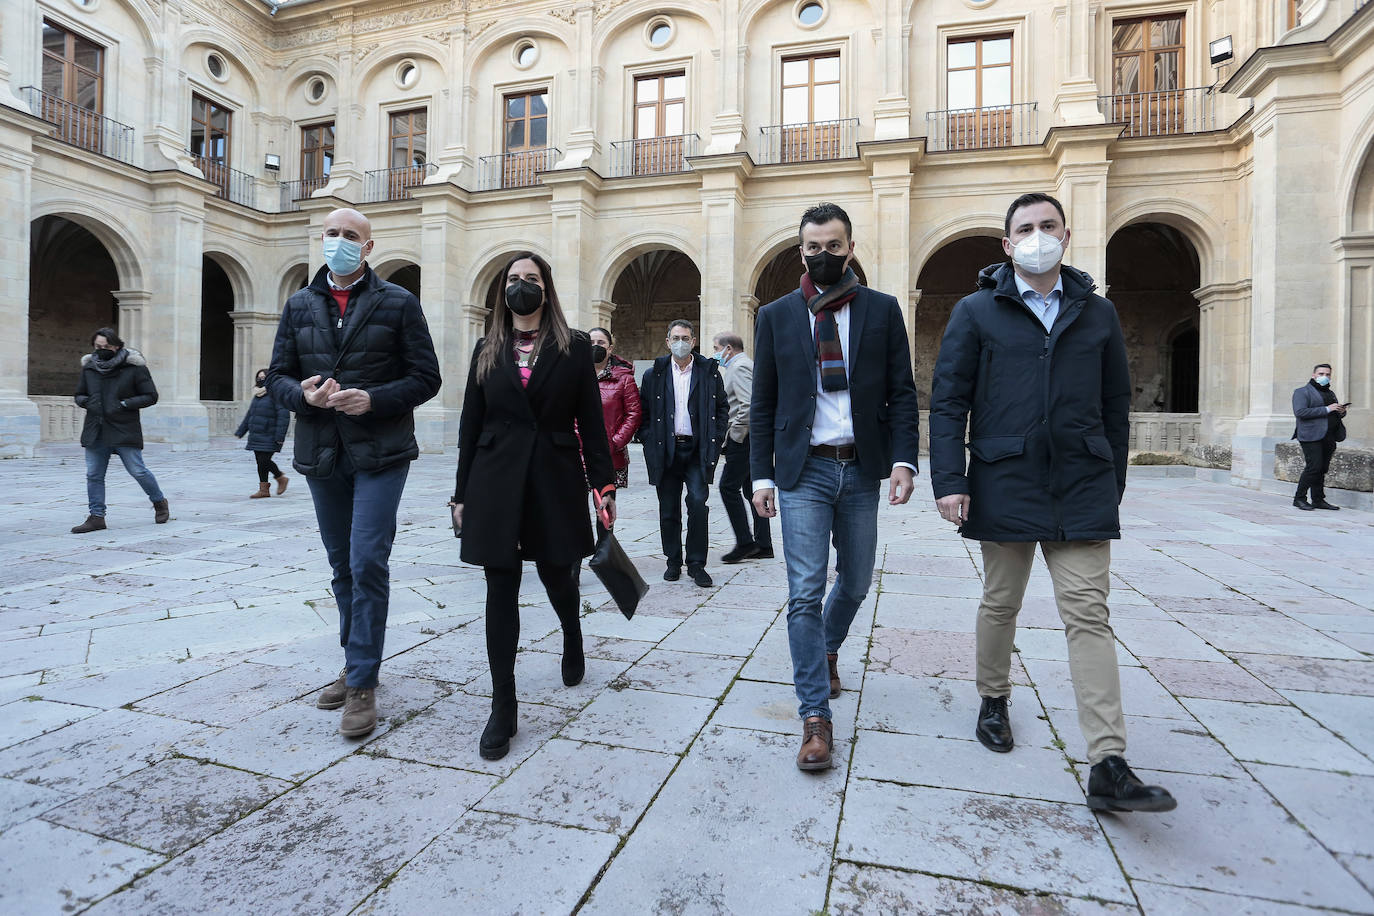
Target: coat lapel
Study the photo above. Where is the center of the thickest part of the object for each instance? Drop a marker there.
(801, 321)
(858, 312)
(544, 365)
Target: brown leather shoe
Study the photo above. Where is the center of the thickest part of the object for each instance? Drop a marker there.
(160, 512)
(818, 744)
(333, 696)
(834, 660)
(282, 481)
(360, 713)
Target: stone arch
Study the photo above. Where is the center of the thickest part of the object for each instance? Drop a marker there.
(620, 257)
(1359, 211)
(404, 272)
(766, 252)
(969, 225)
(72, 279)
(752, 9)
(419, 49)
(240, 278)
(547, 27)
(148, 21)
(643, 9)
(652, 284)
(225, 43)
(128, 261)
(1201, 230)
(293, 279)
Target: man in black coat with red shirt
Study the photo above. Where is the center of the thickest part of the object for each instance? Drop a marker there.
(353, 359)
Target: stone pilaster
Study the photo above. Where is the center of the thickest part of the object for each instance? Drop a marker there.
(443, 227)
(1081, 163)
(601, 314)
(727, 131)
(722, 205)
(573, 209)
(581, 144)
(1356, 325)
(1224, 332)
(1075, 98)
(745, 315)
(19, 422)
(254, 334)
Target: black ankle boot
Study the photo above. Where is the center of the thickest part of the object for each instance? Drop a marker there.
(495, 742)
(574, 662)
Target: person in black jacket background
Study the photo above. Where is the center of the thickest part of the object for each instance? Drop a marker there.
(115, 385)
(1033, 364)
(265, 424)
(520, 491)
(353, 359)
(684, 420)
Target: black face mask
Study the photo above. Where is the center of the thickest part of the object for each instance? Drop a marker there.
(598, 353)
(825, 268)
(261, 382)
(104, 355)
(524, 298)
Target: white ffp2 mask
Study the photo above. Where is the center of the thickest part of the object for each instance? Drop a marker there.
(1037, 252)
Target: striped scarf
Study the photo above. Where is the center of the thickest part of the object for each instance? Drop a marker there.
(829, 352)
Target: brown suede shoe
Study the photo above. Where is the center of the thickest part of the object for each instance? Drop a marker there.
(264, 491)
(92, 523)
(160, 512)
(818, 744)
(360, 713)
(282, 481)
(333, 696)
(834, 660)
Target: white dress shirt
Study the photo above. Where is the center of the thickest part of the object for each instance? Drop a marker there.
(1046, 308)
(682, 387)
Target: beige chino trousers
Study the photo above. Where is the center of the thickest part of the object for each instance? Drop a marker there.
(1081, 572)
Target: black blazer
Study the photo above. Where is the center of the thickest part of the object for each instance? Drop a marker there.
(707, 406)
(520, 476)
(882, 393)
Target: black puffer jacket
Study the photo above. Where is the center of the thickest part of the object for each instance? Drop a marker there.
(1048, 413)
(113, 399)
(381, 345)
(265, 424)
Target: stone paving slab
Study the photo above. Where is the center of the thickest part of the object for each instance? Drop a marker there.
(159, 742)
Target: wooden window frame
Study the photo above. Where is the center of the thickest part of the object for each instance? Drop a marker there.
(316, 153)
(70, 68)
(526, 119)
(1147, 52)
(661, 104)
(1294, 13)
(810, 84)
(978, 66)
(409, 135)
(210, 104)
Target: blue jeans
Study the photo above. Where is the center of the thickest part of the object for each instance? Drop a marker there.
(685, 468)
(98, 459)
(832, 500)
(357, 515)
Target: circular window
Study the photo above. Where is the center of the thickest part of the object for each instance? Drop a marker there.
(525, 54)
(659, 34)
(315, 89)
(216, 65)
(810, 13)
(85, 4)
(407, 74)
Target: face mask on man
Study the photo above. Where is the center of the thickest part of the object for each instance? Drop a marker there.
(598, 353)
(342, 255)
(1323, 380)
(680, 348)
(1038, 252)
(524, 298)
(825, 268)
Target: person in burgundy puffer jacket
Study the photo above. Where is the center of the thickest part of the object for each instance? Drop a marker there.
(619, 401)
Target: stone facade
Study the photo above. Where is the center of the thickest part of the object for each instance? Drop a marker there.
(1235, 223)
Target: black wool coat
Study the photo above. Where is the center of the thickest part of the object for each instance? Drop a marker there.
(265, 424)
(1048, 414)
(112, 401)
(381, 345)
(520, 478)
(707, 405)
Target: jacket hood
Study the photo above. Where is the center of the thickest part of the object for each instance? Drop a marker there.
(1001, 277)
(622, 370)
(132, 358)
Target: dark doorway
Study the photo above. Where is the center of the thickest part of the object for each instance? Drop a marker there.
(216, 333)
(407, 277)
(71, 283)
(652, 290)
(1184, 355)
(948, 275)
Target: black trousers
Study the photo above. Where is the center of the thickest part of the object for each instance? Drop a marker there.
(503, 613)
(265, 466)
(1317, 454)
(683, 470)
(736, 493)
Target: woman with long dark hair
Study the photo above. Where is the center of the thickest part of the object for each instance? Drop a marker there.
(520, 487)
(265, 424)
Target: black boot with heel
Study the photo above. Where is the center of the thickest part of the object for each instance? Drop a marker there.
(501, 726)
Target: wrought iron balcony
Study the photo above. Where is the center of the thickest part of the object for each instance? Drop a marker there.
(81, 127)
(231, 184)
(983, 128)
(1158, 114)
(395, 184)
(816, 141)
(293, 192)
(652, 156)
(515, 170)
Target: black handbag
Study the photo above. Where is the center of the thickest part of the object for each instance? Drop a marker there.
(613, 567)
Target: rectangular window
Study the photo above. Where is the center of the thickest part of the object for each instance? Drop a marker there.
(1147, 54)
(811, 88)
(525, 137)
(317, 154)
(407, 139)
(978, 92)
(660, 122)
(73, 86)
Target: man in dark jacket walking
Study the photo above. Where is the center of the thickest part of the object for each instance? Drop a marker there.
(685, 416)
(1034, 364)
(114, 386)
(1318, 429)
(353, 359)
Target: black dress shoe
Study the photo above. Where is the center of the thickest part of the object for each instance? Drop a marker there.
(700, 576)
(1303, 504)
(1113, 787)
(495, 742)
(764, 553)
(994, 725)
(1323, 504)
(741, 552)
(672, 574)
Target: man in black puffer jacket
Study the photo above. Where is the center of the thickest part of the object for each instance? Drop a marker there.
(114, 386)
(353, 359)
(1034, 364)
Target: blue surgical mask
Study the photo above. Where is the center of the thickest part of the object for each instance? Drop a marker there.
(719, 356)
(1323, 380)
(343, 256)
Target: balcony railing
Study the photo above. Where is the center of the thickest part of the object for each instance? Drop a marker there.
(293, 192)
(1159, 114)
(816, 141)
(652, 156)
(983, 128)
(231, 184)
(82, 127)
(395, 184)
(515, 170)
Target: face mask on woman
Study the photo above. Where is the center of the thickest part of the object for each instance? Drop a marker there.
(598, 353)
(524, 298)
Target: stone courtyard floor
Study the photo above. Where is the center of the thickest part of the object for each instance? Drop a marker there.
(160, 751)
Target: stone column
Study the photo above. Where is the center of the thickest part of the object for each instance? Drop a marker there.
(443, 229)
(1224, 373)
(722, 204)
(745, 316)
(892, 113)
(581, 144)
(601, 314)
(19, 422)
(727, 131)
(1356, 379)
(133, 314)
(890, 233)
(254, 334)
(573, 234)
(1075, 101)
(1081, 159)
(454, 157)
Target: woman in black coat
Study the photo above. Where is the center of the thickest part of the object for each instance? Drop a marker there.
(520, 488)
(265, 423)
